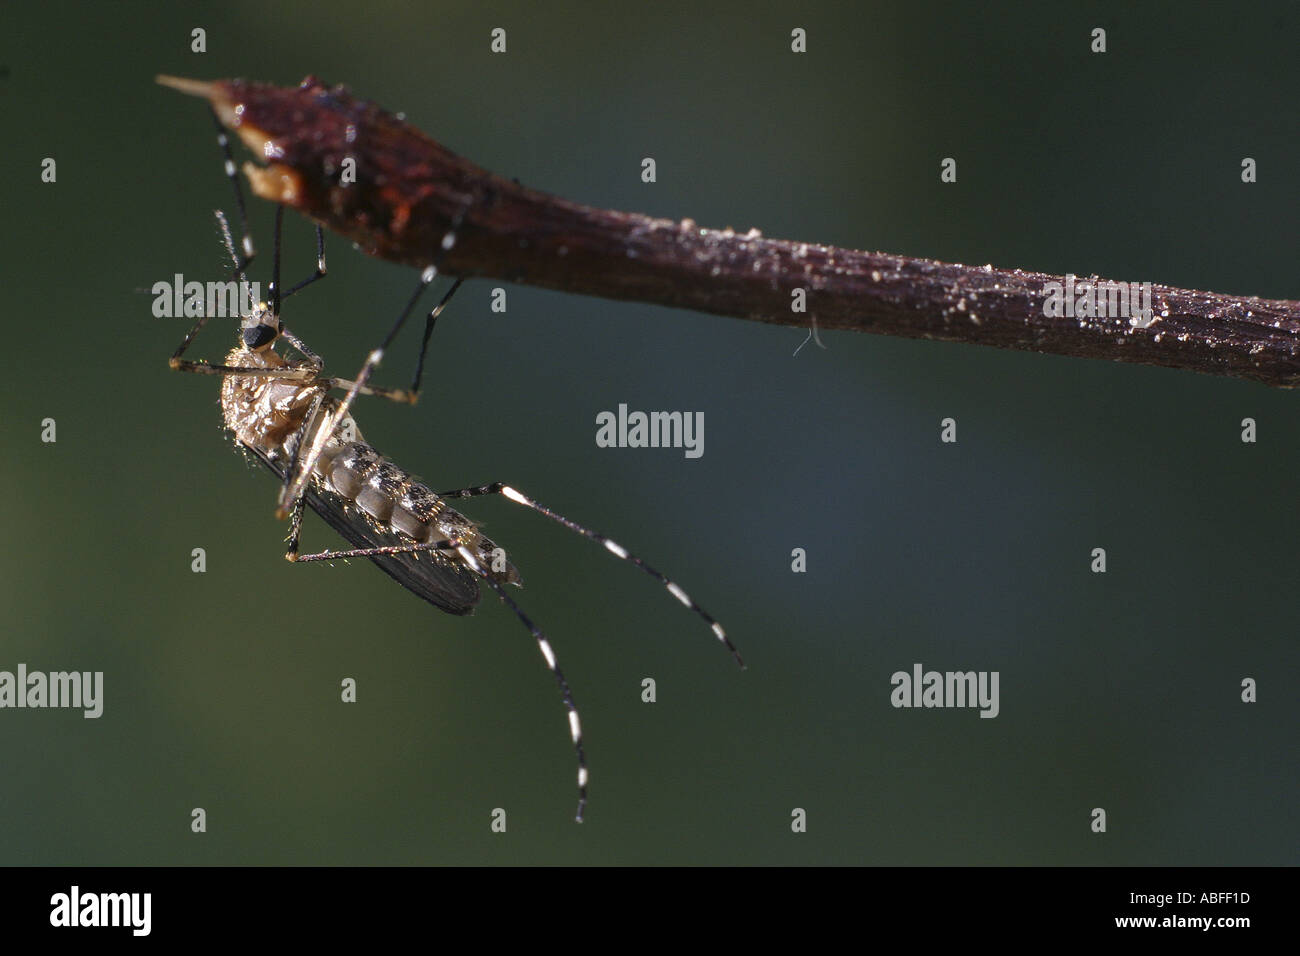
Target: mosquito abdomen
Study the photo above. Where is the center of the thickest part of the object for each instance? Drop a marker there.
(391, 497)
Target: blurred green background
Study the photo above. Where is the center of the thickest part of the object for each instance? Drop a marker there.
(1118, 691)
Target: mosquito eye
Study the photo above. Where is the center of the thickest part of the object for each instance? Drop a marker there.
(258, 336)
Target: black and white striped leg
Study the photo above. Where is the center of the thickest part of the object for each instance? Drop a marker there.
(613, 547)
(454, 544)
(543, 645)
(232, 173)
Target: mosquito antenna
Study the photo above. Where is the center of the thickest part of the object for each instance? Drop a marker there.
(229, 241)
(610, 545)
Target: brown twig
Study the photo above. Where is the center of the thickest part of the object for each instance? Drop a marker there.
(409, 191)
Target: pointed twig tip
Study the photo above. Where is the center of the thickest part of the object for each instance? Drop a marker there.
(189, 87)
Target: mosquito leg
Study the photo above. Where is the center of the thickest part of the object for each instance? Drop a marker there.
(203, 367)
(316, 423)
(575, 725)
(378, 391)
(276, 298)
(232, 174)
(320, 265)
(190, 365)
(414, 392)
(398, 395)
(403, 396)
(544, 645)
(303, 350)
(295, 529)
(450, 544)
(449, 240)
(613, 547)
(412, 395)
(392, 394)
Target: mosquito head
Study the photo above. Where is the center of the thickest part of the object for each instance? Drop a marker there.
(260, 328)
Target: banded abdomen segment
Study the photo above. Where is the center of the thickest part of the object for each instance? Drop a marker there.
(393, 499)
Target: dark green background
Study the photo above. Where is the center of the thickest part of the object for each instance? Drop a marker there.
(1119, 691)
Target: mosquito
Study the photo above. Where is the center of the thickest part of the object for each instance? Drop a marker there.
(286, 412)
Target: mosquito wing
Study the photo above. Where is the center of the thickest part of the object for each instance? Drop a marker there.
(447, 586)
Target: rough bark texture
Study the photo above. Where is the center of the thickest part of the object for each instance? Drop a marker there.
(409, 192)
